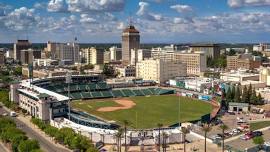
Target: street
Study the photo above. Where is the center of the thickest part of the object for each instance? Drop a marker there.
(45, 144)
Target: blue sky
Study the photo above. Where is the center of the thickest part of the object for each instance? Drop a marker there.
(159, 21)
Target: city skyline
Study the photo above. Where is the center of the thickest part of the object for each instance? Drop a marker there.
(172, 21)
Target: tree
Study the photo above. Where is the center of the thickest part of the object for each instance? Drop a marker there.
(253, 97)
(228, 95)
(233, 93)
(159, 125)
(184, 131)
(237, 95)
(223, 127)
(249, 93)
(118, 136)
(28, 145)
(108, 71)
(164, 141)
(205, 128)
(231, 52)
(245, 95)
(260, 100)
(126, 123)
(18, 71)
(258, 141)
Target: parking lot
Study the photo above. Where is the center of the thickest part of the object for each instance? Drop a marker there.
(243, 144)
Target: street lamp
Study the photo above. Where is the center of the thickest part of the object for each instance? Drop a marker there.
(68, 81)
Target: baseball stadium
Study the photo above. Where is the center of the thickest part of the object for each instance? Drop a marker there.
(97, 104)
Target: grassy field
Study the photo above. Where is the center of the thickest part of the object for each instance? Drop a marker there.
(148, 110)
(259, 125)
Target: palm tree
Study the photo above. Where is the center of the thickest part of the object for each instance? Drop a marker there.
(164, 143)
(205, 128)
(184, 131)
(159, 125)
(126, 123)
(118, 136)
(223, 127)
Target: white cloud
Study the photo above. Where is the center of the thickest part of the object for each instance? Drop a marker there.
(21, 19)
(181, 8)
(145, 13)
(243, 3)
(95, 5)
(57, 6)
(85, 18)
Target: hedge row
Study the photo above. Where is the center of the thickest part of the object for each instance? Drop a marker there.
(17, 138)
(66, 136)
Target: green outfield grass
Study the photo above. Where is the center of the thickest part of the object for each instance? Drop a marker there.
(149, 111)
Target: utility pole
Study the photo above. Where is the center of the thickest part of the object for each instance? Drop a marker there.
(68, 81)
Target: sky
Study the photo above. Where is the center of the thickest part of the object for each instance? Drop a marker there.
(159, 21)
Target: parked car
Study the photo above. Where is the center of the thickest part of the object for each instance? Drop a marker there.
(257, 133)
(13, 114)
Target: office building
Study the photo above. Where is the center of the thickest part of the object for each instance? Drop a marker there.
(239, 76)
(2, 57)
(130, 40)
(107, 57)
(48, 72)
(115, 53)
(64, 52)
(262, 47)
(18, 47)
(143, 54)
(195, 62)
(126, 71)
(210, 50)
(160, 70)
(244, 61)
(93, 55)
(28, 56)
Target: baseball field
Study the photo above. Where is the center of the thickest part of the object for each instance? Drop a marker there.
(145, 112)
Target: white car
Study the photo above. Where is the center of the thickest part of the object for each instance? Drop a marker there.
(13, 114)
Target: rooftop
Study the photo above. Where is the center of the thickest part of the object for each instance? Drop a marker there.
(131, 29)
(40, 92)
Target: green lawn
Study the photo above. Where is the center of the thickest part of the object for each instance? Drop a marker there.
(149, 110)
(259, 125)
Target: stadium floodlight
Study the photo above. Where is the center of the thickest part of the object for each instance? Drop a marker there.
(68, 81)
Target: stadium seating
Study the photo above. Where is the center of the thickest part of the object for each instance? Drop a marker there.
(128, 92)
(147, 92)
(103, 90)
(117, 93)
(86, 95)
(138, 92)
(106, 94)
(76, 96)
(96, 94)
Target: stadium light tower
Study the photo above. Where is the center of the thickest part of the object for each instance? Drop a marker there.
(68, 81)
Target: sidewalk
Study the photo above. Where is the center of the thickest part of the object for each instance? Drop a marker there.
(3, 148)
(27, 120)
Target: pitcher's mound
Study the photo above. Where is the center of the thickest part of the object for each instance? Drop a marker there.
(124, 104)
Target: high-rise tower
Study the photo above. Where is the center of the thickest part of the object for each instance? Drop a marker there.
(130, 40)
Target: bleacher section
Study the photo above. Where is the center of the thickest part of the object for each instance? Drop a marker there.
(102, 90)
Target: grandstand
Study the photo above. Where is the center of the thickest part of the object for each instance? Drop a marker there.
(102, 90)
